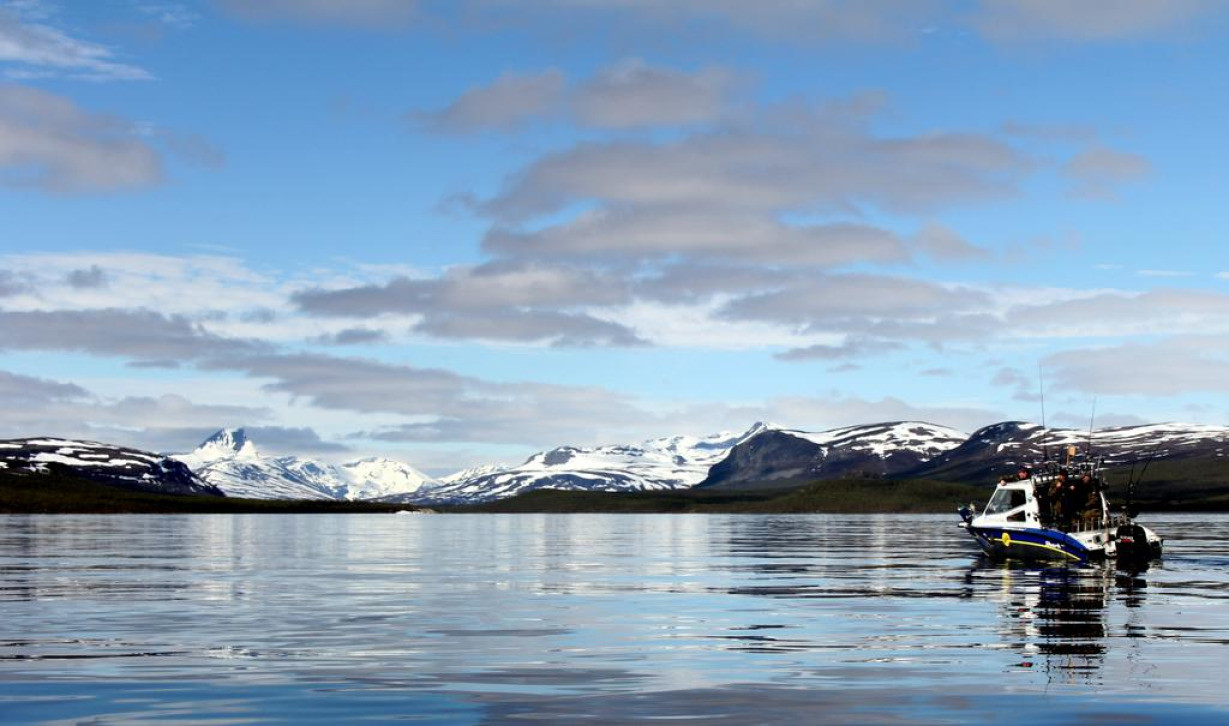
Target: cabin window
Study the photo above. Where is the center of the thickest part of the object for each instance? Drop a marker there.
(1005, 500)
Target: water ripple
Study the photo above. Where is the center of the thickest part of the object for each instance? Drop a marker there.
(618, 619)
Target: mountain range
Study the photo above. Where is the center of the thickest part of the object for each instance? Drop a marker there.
(998, 449)
(761, 458)
(676, 462)
(230, 461)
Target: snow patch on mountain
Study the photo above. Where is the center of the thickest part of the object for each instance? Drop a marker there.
(1117, 444)
(888, 439)
(474, 472)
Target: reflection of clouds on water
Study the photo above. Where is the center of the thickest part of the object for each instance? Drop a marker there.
(753, 704)
(67, 557)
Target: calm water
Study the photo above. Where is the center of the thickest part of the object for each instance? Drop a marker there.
(595, 619)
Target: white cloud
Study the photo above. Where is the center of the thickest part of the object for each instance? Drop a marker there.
(171, 14)
(826, 159)
(367, 14)
(942, 244)
(40, 407)
(710, 235)
(500, 301)
(40, 50)
(804, 23)
(1168, 367)
(1088, 20)
(634, 94)
(1115, 314)
(853, 346)
(853, 302)
(508, 101)
(172, 284)
(1097, 172)
(219, 294)
(628, 94)
(48, 143)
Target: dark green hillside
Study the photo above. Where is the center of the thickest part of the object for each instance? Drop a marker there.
(61, 493)
(1182, 485)
(836, 496)
(1192, 485)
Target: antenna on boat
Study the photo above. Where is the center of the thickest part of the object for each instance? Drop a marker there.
(1091, 419)
(1132, 481)
(1045, 455)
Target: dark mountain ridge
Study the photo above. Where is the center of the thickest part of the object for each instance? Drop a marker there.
(114, 466)
(777, 457)
(1186, 463)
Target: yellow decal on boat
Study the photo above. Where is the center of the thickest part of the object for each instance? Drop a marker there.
(1006, 539)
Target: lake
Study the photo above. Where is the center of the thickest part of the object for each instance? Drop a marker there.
(595, 619)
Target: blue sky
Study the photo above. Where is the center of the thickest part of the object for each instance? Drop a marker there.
(456, 233)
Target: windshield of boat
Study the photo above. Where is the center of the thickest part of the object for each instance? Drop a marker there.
(1005, 500)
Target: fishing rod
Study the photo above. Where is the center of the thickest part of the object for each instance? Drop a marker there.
(1045, 454)
(1132, 481)
(1091, 419)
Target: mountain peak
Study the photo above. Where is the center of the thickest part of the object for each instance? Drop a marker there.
(227, 443)
(233, 439)
(760, 427)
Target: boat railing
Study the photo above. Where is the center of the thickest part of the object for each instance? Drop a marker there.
(1095, 523)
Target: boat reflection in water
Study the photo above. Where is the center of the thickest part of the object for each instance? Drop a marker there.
(1058, 619)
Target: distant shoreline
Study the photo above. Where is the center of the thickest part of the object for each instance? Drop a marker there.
(58, 494)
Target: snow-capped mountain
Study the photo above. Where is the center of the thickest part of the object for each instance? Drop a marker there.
(777, 457)
(102, 463)
(375, 477)
(474, 472)
(231, 461)
(998, 449)
(676, 462)
(765, 456)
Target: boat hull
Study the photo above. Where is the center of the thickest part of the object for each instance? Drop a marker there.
(1029, 543)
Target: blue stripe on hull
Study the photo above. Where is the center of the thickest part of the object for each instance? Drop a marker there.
(1031, 544)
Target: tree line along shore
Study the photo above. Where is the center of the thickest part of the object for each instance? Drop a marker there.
(1171, 486)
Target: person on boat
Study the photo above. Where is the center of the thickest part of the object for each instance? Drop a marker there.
(1046, 501)
(1073, 499)
(1023, 473)
(1091, 508)
(1060, 504)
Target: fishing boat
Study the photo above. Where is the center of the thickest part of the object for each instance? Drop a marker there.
(1059, 512)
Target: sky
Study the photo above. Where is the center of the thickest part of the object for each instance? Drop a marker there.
(456, 233)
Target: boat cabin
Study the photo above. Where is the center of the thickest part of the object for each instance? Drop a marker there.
(1028, 502)
(1014, 502)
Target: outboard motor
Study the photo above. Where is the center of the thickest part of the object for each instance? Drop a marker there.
(1134, 552)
